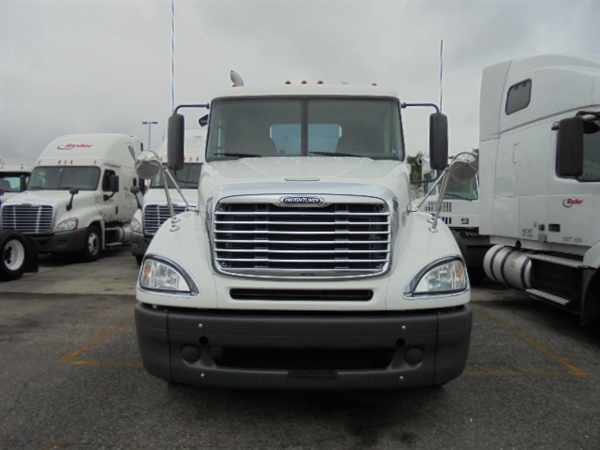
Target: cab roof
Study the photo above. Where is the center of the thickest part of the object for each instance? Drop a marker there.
(295, 89)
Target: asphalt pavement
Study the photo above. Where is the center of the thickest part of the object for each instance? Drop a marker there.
(71, 378)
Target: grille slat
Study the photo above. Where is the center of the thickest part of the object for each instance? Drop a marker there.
(155, 215)
(28, 219)
(255, 236)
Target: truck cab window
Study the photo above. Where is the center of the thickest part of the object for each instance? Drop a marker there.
(305, 127)
(108, 174)
(591, 155)
(518, 97)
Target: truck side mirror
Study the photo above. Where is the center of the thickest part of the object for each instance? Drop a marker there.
(569, 148)
(438, 141)
(175, 141)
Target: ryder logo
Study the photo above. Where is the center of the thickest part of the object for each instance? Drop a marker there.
(570, 202)
(73, 146)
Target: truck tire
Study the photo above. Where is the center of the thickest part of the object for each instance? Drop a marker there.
(13, 252)
(93, 244)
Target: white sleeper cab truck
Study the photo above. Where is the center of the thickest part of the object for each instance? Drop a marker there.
(13, 179)
(79, 197)
(540, 179)
(302, 265)
(460, 210)
(155, 211)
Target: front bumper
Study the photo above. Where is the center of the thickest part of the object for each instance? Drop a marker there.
(243, 349)
(64, 242)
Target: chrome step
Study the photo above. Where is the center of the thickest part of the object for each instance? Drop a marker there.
(547, 296)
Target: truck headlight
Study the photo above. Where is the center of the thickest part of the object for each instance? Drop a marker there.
(136, 226)
(446, 276)
(157, 274)
(67, 225)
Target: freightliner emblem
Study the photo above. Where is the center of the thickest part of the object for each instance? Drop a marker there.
(301, 200)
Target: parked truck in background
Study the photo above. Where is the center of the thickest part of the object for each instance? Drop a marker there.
(13, 179)
(155, 210)
(540, 179)
(461, 212)
(79, 197)
(302, 265)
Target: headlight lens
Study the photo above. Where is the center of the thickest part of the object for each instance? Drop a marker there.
(161, 276)
(136, 226)
(444, 278)
(67, 225)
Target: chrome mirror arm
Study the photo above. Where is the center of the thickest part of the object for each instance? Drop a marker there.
(177, 188)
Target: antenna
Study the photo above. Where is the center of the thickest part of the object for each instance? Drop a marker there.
(236, 78)
(172, 55)
(441, 73)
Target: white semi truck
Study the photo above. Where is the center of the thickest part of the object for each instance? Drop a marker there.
(302, 265)
(13, 179)
(155, 211)
(540, 179)
(79, 197)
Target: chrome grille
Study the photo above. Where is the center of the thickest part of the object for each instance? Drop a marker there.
(156, 215)
(259, 237)
(28, 219)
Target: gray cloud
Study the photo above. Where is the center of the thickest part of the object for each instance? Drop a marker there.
(82, 66)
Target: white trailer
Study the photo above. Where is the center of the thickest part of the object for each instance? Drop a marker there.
(540, 179)
(79, 197)
(303, 266)
(155, 211)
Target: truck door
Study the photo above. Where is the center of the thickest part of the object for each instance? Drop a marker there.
(504, 209)
(574, 204)
(110, 202)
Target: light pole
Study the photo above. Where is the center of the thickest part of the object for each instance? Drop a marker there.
(149, 123)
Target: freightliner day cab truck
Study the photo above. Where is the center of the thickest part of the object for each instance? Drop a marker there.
(17, 253)
(155, 211)
(13, 179)
(460, 210)
(540, 179)
(79, 197)
(302, 265)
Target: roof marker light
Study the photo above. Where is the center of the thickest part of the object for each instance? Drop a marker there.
(288, 82)
(303, 81)
(320, 82)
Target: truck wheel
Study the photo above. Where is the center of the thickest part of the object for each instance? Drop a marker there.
(13, 256)
(92, 244)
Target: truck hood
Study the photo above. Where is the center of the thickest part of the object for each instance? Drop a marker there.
(302, 174)
(52, 198)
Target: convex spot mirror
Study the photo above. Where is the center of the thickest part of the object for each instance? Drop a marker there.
(438, 141)
(175, 141)
(464, 167)
(569, 147)
(203, 121)
(147, 164)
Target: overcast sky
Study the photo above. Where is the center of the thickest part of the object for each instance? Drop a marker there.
(71, 66)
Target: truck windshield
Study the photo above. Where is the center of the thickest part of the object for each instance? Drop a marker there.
(64, 178)
(187, 178)
(12, 182)
(463, 190)
(255, 127)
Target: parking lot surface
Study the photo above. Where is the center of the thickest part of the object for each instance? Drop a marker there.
(71, 378)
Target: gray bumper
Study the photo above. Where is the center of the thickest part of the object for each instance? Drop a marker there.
(296, 350)
(67, 242)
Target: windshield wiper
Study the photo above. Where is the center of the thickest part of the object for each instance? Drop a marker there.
(337, 154)
(237, 155)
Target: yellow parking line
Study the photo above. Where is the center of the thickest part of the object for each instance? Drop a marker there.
(536, 345)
